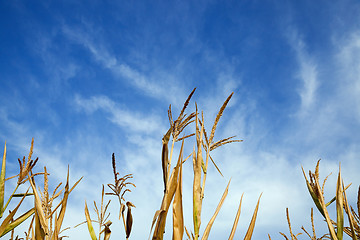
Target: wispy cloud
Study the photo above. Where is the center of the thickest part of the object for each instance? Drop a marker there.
(152, 84)
(307, 73)
(131, 121)
(348, 60)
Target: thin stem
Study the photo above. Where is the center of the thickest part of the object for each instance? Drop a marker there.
(8, 201)
(205, 172)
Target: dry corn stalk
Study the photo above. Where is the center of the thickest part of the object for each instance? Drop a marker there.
(119, 188)
(197, 161)
(102, 216)
(317, 194)
(9, 224)
(47, 222)
(167, 199)
(172, 183)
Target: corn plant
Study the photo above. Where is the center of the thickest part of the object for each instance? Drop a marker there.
(336, 228)
(25, 173)
(173, 181)
(48, 220)
(119, 188)
(102, 219)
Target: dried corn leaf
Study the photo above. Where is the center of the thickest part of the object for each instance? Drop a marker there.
(2, 183)
(252, 223)
(187, 233)
(350, 217)
(334, 198)
(59, 220)
(313, 195)
(4, 225)
(165, 157)
(167, 199)
(216, 166)
(209, 225)
(178, 218)
(39, 211)
(156, 215)
(18, 221)
(233, 229)
(160, 226)
(339, 207)
(89, 224)
(323, 206)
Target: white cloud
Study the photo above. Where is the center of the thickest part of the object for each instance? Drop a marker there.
(348, 62)
(307, 73)
(154, 84)
(131, 121)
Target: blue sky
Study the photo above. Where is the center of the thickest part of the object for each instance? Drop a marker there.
(89, 78)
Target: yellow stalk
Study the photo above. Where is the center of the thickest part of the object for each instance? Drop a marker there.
(197, 160)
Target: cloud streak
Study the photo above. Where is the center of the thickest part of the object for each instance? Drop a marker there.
(129, 121)
(153, 84)
(307, 74)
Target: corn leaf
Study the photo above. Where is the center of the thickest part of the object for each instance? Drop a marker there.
(233, 229)
(165, 157)
(156, 215)
(167, 199)
(351, 218)
(178, 218)
(18, 221)
(89, 224)
(339, 208)
(327, 217)
(2, 183)
(209, 225)
(313, 195)
(7, 220)
(252, 223)
(38, 209)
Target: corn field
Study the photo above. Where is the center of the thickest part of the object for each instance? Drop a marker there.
(45, 219)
